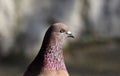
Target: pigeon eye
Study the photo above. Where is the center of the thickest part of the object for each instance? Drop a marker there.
(62, 30)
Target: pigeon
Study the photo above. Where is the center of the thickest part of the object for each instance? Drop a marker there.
(50, 59)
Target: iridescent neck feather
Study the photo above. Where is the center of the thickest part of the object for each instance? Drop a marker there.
(54, 56)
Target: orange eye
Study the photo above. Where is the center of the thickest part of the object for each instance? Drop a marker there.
(62, 30)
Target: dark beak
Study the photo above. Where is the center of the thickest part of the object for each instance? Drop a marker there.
(70, 34)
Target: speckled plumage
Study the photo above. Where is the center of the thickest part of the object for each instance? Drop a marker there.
(50, 60)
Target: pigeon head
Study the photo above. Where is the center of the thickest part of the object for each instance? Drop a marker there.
(60, 30)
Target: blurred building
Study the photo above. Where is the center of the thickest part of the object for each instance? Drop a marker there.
(104, 17)
(7, 25)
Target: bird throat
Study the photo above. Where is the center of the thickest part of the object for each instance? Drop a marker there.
(54, 58)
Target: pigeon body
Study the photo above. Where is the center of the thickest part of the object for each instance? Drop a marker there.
(50, 60)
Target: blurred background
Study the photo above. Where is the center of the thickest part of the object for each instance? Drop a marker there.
(95, 50)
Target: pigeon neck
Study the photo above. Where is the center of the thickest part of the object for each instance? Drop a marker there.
(54, 56)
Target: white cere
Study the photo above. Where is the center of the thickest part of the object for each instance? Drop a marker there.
(69, 32)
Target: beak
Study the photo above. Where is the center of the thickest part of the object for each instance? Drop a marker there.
(70, 34)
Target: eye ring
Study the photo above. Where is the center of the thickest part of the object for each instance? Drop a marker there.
(62, 31)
